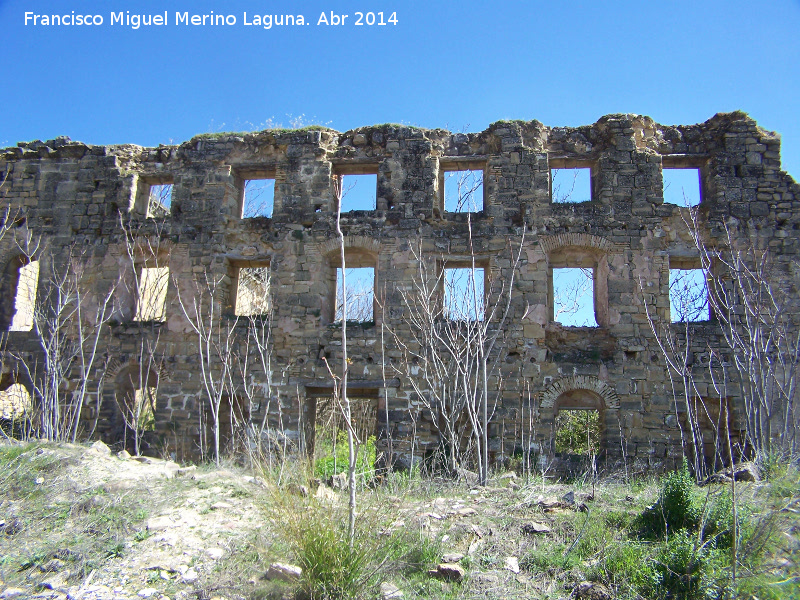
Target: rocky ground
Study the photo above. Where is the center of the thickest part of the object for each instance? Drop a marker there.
(184, 521)
(82, 523)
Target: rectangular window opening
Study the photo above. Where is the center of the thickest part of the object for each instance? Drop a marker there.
(159, 200)
(688, 296)
(681, 186)
(573, 297)
(152, 301)
(25, 299)
(359, 192)
(464, 294)
(463, 191)
(258, 198)
(360, 283)
(252, 291)
(570, 186)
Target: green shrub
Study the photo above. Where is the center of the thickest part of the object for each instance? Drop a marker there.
(718, 523)
(685, 569)
(549, 559)
(416, 551)
(624, 566)
(676, 508)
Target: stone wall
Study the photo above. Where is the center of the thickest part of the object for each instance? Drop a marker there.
(76, 198)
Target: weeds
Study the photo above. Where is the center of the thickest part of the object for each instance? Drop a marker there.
(676, 508)
(316, 535)
(652, 539)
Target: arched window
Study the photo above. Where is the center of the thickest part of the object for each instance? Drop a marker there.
(15, 400)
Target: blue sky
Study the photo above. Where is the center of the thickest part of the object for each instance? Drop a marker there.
(445, 64)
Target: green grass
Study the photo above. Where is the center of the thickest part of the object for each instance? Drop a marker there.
(81, 528)
(333, 460)
(316, 536)
(651, 539)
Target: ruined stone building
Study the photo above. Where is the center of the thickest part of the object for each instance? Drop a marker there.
(158, 228)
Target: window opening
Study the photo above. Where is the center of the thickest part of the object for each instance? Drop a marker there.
(159, 200)
(463, 191)
(681, 186)
(571, 185)
(15, 402)
(252, 291)
(135, 396)
(464, 294)
(359, 192)
(688, 295)
(258, 198)
(152, 300)
(360, 294)
(573, 297)
(25, 298)
(578, 432)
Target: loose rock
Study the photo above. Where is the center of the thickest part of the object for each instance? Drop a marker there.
(592, 590)
(101, 448)
(448, 572)
(390, 591)
(533, 528)
(453, 557)
(746, 471)
(511, 563)
(284, 572)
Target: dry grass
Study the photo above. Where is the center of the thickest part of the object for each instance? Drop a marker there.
(71, 515)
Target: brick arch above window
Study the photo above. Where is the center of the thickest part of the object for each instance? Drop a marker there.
(579, 382)
(116, 369)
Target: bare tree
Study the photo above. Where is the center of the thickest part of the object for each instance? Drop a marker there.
(148, 281)
(455, 325)
(750, 297)
(342, 395)
(255, 374)
(756, 355)
(67, 321)
(216, 338)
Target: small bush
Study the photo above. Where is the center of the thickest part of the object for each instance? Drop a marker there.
(416, 551)
(675, 509)
(315, 534)
(685, 569)
(549, 559)
(624, 566)
(718, 524)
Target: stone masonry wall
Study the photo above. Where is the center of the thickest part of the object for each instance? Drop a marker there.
(74, 197)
